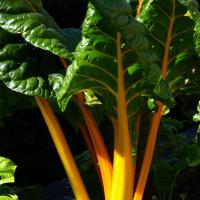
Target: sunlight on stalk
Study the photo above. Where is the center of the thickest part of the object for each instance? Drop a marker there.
(139, 7)
(99, 145)
(104, 162)
(122, 181)
(63, 149)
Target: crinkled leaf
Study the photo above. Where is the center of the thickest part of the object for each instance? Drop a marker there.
(32, 22)
(95, 67)
(22, 72)
(7, 170)
(8, 197)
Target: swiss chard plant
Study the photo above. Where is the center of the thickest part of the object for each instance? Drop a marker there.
(131, 59)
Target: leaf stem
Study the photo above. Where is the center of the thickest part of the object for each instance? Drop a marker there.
(167, 43)
(156, 118)
(91, 150)
(139, 7)
(148, 153)
(137, 128)
(122, 181)
(99, 145)
(63, 149)
(102, 155)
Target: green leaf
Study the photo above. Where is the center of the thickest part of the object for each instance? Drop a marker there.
(119, 14)
(11, 101)
(170, 31)
(32, 22)
(7, 170)
(95, 67)
(8, 197)
(28, 193)
(196, 117)
(22, 72)
(163, 91)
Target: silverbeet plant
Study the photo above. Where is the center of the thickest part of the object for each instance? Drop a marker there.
(129, 55)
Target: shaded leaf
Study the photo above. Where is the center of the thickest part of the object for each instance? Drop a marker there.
(11, 101)
(20, 71)
(73, 36)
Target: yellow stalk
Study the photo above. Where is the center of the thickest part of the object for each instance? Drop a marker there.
(99, 146)
(155, 120)
(104, 162)
(122, 180)
(63, 149)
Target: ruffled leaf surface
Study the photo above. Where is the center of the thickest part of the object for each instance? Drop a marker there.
(33, 23)
(19, 70)
(95, 67)
(7, 170)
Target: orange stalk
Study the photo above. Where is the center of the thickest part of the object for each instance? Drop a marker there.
(122, 180)
(91, 150)
(148, 153)
(167, 44)
(104, 162)
(139, 7)
(156, 118)
(63, 149)
(99, 145)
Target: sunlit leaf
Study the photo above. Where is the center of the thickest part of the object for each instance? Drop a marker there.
(7, 170)
(33, 23)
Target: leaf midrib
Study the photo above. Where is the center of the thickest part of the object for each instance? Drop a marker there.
(167, 43)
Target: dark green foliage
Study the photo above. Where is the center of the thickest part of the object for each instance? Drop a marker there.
(167, 33)
(176, 151)
(33, 23)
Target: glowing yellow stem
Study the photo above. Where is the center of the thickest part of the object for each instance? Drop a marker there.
(139, 7)
(122, 181)
(99, 146)
(104, 162)
(63, 149)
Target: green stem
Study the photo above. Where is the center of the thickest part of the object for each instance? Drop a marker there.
(173, 185)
